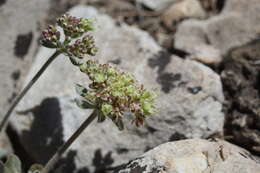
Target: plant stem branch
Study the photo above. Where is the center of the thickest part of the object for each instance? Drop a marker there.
(51, 163)
(25, 90)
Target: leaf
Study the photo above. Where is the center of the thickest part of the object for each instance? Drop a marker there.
(119, 123)
(3, 153)
(2, 167)
(81, 90)
(75, 61)
(7, 170)
(48, 44)
(13, 165)
(101, 116)
(84, 104)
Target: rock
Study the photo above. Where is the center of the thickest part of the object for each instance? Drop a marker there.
(155, 4)
(209, 40)
(19, 21)
(194, 156)
(189, 103)
(18, 26)
(195, 43)
(240, 77)
(182, 10)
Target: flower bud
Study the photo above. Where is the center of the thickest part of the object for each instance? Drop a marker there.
(74, 27)
(82, 47)
(50, 37)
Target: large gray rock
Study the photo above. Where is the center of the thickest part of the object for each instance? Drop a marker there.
(209, 40)
(194, 156)
(19, 21)
(189, 103)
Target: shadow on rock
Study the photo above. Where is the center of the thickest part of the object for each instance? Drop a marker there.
(45, 135)
(168, 81)
(67, 164)
(100, 162)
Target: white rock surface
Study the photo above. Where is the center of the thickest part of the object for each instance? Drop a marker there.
(209, 40)
(194, 156)
(189, 103)
(19, 21)
(18, 26)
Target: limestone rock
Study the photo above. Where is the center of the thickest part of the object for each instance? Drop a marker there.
(209, 40)
(181, 10)
(18, 26)
(19, 35)
(194, 156)
(189, 102)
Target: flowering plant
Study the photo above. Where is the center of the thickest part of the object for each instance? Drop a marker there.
(72, 46)
(111, 92)
(73, 28)
(114, 92)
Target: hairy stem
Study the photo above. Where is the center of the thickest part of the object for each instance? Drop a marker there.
(51, 163)
(25, 90)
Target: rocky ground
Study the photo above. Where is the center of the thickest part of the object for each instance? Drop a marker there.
(202, 55)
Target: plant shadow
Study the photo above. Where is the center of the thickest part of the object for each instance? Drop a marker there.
(46, 135)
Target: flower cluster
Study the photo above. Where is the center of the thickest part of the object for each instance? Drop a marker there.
(50, 37)
(83, 46)
(74, 27)
(113, 93)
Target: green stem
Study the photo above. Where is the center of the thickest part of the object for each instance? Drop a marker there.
(51, 163)
(25, 90)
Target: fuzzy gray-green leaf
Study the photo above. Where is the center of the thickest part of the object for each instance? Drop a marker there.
(13, 165)
(74, 61)
(3, 153)
(84, 104)
(119, 124)
(81, 90)
(101, 116)
(2, 167)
